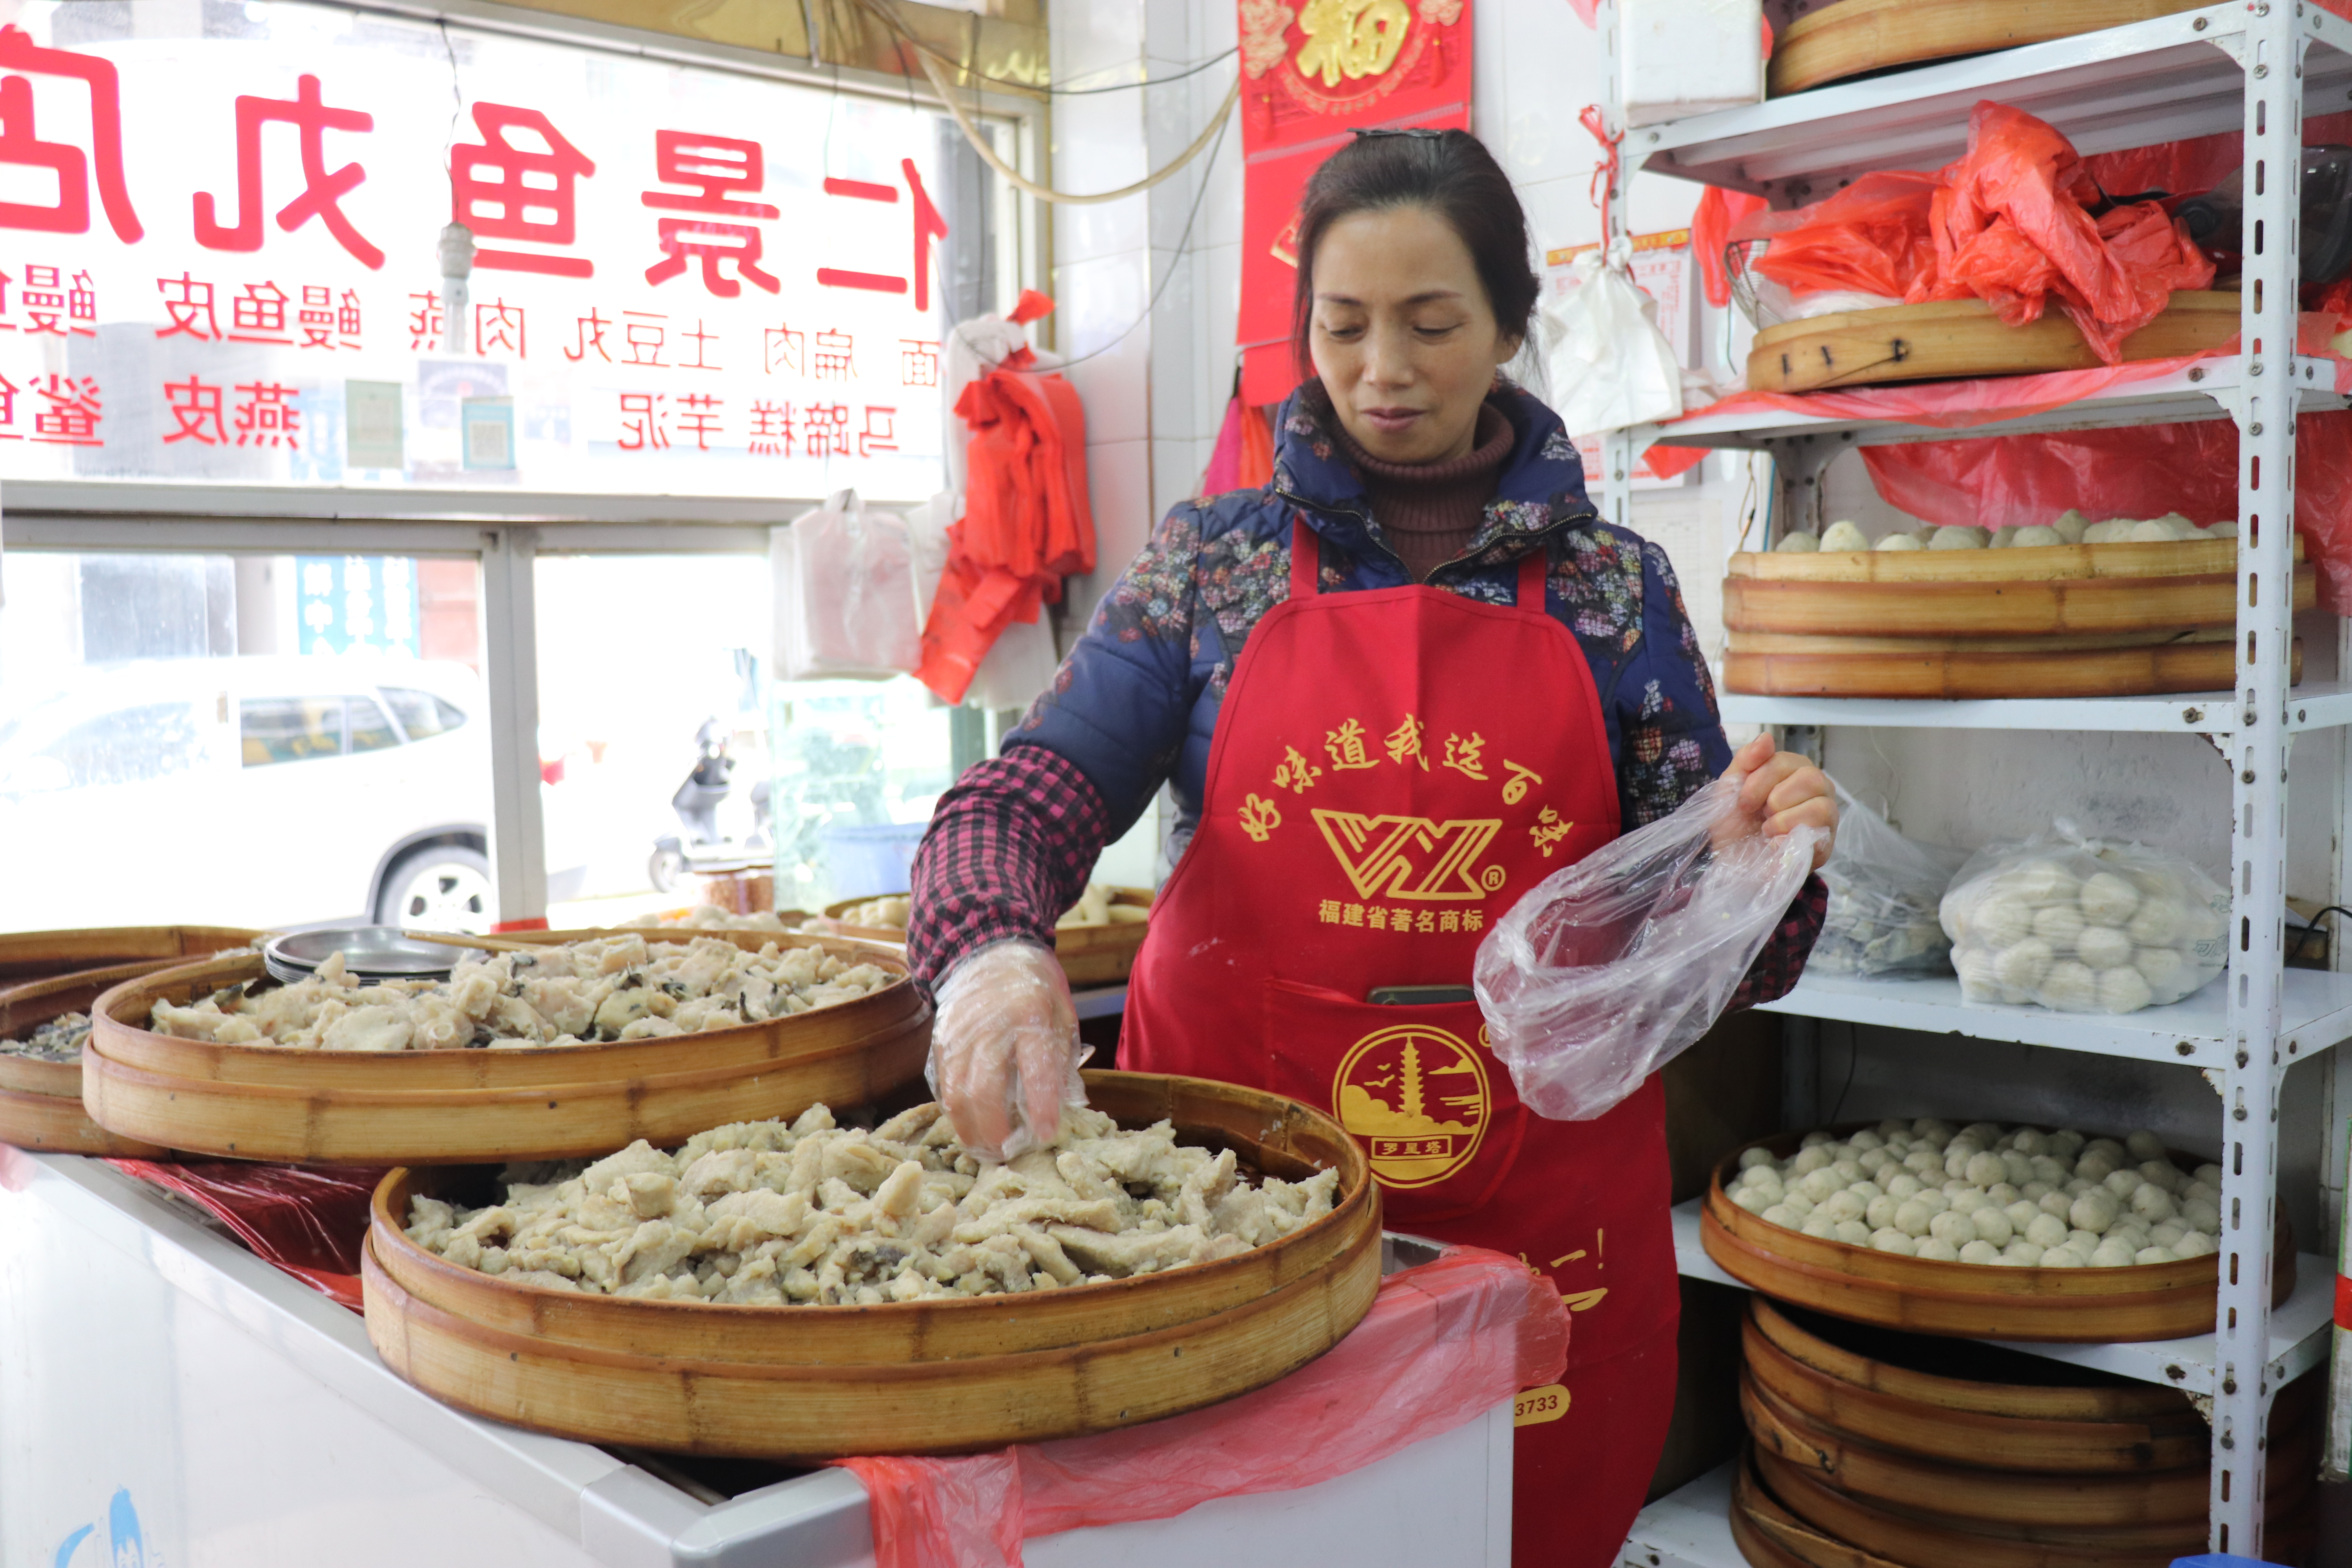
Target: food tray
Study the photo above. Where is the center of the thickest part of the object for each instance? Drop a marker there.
(805, 1384)
(1962, 338)
(422, 1108)
(1090, 955)
(40, 1103)
(40, 954)
(1852, 37)
(2146, 1301)
(1960, 674)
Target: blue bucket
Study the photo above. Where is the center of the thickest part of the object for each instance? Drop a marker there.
(867, 862)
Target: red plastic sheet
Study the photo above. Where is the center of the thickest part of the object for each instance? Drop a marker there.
(308, 1220)
(1444, 1342)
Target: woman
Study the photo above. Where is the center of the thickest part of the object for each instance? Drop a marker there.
(1393, 690)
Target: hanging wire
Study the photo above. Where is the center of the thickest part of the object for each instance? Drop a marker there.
(913, 42)
(1182, 255)
(457, 100)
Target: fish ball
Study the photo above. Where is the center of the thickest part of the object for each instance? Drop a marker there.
(2108, 900)
(2039, 882)
(1984, 1170)
(2035, 536)
(2057, 1203)
(1751, 1158)
(2152, 1203)
(1996, 1226)
(1902, 1186)
(2094, 1212)
(1820, 1184)
(1913, 1217)
(2094, 1164)
(2066, 1144)
(1960, 536)
(2163, 968)
(2082, 1241)
(1853, 1233)
(2124, 990)
(2111, 1255)
(2210, 1174)
(2200, 1189)
(1940, 1251)
(1932, 1200)
(2201, 1214)
(2033, 1193)
(2164, 1173)
(2016, 1169)
(2225, 529)
(2022, 964)
(2069, 525)
(1986, 1133)
(2000, 1195)
(1799, 1202)
(2193, 1243)
(1898, 541)
(2143, 1145)
(2003, 536)
(2000, 920)
(1817, 1139)
(1848, 1172)
(1893, 1241)
(2156, 1255)
(1784, 1216)
(1821, 1228)
(2061, 1257)
(2123, 1183)
(2167, 1233)
(2157, 921)
(1865, 1139)
(1957, 1228)
(1880, 1212)
(1919, 1162)
(1979, 1252)
(2104, 947)
(1964, 1197)
(2046, 1169)
(2030, 1141)
(1811, 1158)
(2155, 531)
(1800, 542)
(2075, 1186)
(2069, 987)
(2047, 1230)
(2060, 925)
(1843, 535)
(1867, 1190)
(2111, 531)
(1842, 1206)
(1751, 1200)
(1934, 1127)
(2022, 1255)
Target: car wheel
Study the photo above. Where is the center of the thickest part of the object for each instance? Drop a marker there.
(664, 869)
(443, 886)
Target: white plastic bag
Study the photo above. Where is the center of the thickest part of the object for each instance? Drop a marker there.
(1609, 969)
(2082, 926)
(1609, 365)
(845, 592)
(1885, 894)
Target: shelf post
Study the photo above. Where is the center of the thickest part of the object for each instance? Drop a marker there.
(2272, 59)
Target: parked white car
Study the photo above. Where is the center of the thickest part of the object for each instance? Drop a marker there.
(256, 791)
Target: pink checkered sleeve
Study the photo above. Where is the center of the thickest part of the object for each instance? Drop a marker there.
(1009, 847)
(1774, 973)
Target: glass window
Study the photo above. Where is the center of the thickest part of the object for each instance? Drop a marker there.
(290, 729)
(370, 731)
(421, 713)
(129, 745)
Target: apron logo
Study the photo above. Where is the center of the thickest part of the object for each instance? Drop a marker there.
(1411, 856)
(1417, 1096)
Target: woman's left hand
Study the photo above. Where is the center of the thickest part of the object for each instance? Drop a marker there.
(1779, 791)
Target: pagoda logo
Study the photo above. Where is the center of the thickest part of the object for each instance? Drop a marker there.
(1417, 1096)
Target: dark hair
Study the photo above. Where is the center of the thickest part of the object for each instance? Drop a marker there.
(1450, 173)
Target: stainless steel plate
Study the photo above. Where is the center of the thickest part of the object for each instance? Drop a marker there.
(370, 952)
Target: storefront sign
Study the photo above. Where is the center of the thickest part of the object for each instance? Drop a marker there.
(218, 262)
(1311, 73)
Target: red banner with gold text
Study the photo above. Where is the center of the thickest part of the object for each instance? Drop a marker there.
(1313, 73)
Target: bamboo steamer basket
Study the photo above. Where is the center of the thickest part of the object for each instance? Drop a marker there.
(2077, 606)
(1854, 37)
(423, 1108)
(42, 954)
(1962, 338)
(40, 1103)
(2033, 564)
(1089, 955)
(1967, 674)
(2094, 1306)
(806, 1384)
(2081, 1428)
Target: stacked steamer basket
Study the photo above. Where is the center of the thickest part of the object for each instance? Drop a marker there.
(1851, 37)
(40, 1100)
(435, 1107)
(1963, 338)
(1869, 1447)
(802, 1383)
(2056, 620)
(1090, 955)
(42, 954)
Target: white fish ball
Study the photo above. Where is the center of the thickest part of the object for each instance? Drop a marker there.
(2179, 522)
(1811, 1158)
(2047, 1230)
(1866, 1191)
(1891, 1127)
(2164, 1173)
(2143, 1145)
(2111, 531)
(2225, 529)
(2094, 1212)
(1964, 1196)
(2201, 1214)
(1842, 1206)
(2075, 1186)
(1817, 1139)
(2153, 1254)
(2193, 1243)
(1957, 1155)
(2030, 1141)
(1853, 1233)
(1979, 1252)
(2066, 1144)
(1989, 1224)
(1843, 535)
(2123, 1183)
(1913, 1217)
(1880, 1212)
(2016, 1169)
(1865, 1139)
(2157, 921)
(2104, 947)
(1932, 1200)
(2210, 1174)
(1958, 1229)
(2039, 882)
(1841, 1151)
(2082, 1241)
(1985, 1169)
(1784, 1216)
(1940, 1251)
(2033, 1193)
(2155, 531)
(1902, 1186)
(2111, 1148)
(1919, 1162)
(2152, 1203)
(1999, 920)
(1960, 536)
(2124, 990)
(1797, 1202)
(2035, 536)
(2069, 525)
(1821, 1228)
(2167, 1233)
(1931, 1127)
(2050, 1170)
(1751, 1158)
(2004, 536)
(2108, 900)
(2197, 1188)
(2061, 1257)
(1893, 1241)
(1751, 1200)
(2094, 1164)
(1799, 542)
(2069, 987)
(2163, 968)
(2022, 1255)
(2058, 1204)
(1848, 1172)
(1898, 541)
(2003, 1194)
(2060, 925)
(2111, 1255)
(1820, 1184)
(1986, 1133)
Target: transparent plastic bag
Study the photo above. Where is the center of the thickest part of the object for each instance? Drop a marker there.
(2078, 925)
(1885, 895)
(1609, 364)
(1609, 969)
(846, 595)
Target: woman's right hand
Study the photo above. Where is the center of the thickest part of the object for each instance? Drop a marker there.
(1005, 1048)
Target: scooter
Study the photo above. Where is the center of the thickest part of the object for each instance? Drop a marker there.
(697, 803)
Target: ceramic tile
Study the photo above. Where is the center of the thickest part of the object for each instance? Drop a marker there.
(1551, 66)
(1097, 147)
(1560, 212)
(1176, 469)
(1169, 29)
(1116, 388)
(1092, 36)
(1118, 491)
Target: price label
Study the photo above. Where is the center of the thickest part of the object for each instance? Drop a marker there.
(1538, 1405)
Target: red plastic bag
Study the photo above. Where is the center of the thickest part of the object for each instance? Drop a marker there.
(2145, 471)
(308, 1220)
(1871, 237)
(1710, 226)
(1444, 1342)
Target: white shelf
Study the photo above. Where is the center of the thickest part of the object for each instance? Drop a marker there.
(2317, 1014)
(2298, 1340)
(2158, 80)
(1687, 1528)
(2200, 391)
(2316, 705)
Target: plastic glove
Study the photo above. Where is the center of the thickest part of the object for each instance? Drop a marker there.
(1005, 1049)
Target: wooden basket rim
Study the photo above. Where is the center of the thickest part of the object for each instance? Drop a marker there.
(1355, 1188)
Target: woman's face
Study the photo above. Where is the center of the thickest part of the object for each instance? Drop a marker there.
(1403, 336)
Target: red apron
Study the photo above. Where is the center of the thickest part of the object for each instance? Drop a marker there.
(1391, 771)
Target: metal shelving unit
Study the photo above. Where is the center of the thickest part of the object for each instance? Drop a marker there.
(2250, 66)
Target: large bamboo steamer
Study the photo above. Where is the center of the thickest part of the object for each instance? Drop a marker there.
(421, 1108)
(40, 1103)
(2076, 606)
(2092, 1306)
(1854, 37)
(1089, 955)
(1962, 675)
(42, 955)
(2030, 564)
(800, 1383)
(1945, 339)
(1964, 1422)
